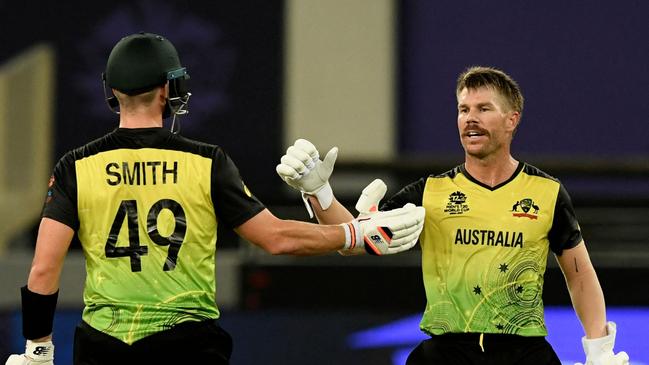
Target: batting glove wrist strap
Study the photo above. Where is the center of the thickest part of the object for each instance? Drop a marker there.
(325, 197)
(39, 351)
(36, 353)
(353, 236)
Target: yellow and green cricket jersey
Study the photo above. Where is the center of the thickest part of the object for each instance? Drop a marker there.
(484, 249)
(145, 204)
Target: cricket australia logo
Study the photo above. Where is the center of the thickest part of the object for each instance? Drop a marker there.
(456, 203)
(527, 208)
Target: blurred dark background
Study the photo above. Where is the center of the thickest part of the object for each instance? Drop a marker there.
(582, 67)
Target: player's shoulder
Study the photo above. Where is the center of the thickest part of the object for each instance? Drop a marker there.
(185, 144)
(157, 138)
(451, 174)
(532, 170)
(93, 147)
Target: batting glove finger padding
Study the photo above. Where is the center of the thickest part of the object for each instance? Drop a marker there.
(287, 173)
(302, 169)
(303, 157)
(307, 147)
(369, 200)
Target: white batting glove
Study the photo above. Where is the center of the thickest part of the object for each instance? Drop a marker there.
(368, 203)
(302, 169)
(599, 351)
(36, 353)
(384, 233)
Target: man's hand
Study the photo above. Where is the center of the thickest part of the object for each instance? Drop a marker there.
(368, 203)
(368, 206)
(599, 351)
(36, 353)
(384, 233)
(302, 169)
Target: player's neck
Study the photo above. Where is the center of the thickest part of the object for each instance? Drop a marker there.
(493, 170)
(140, 120)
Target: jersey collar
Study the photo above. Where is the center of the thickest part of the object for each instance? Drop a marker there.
(519, 168)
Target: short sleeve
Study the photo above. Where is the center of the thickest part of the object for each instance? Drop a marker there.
(61, 199)
(411, 193)
(233, 202)
(565, 232)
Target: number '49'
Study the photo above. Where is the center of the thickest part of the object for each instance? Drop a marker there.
(128, 210)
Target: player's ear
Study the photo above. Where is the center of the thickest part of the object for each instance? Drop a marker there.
(513, 118)
(164, 93)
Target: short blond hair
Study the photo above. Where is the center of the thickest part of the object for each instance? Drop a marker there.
(130, 101)
(479, 76)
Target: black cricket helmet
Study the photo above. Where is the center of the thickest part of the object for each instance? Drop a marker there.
(143, 61)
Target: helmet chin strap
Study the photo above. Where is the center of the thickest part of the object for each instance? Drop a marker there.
(178, 106)
(173, 128)
(111, 100)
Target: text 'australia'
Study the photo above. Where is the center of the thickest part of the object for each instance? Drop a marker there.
(485, 237)
(142, 173)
